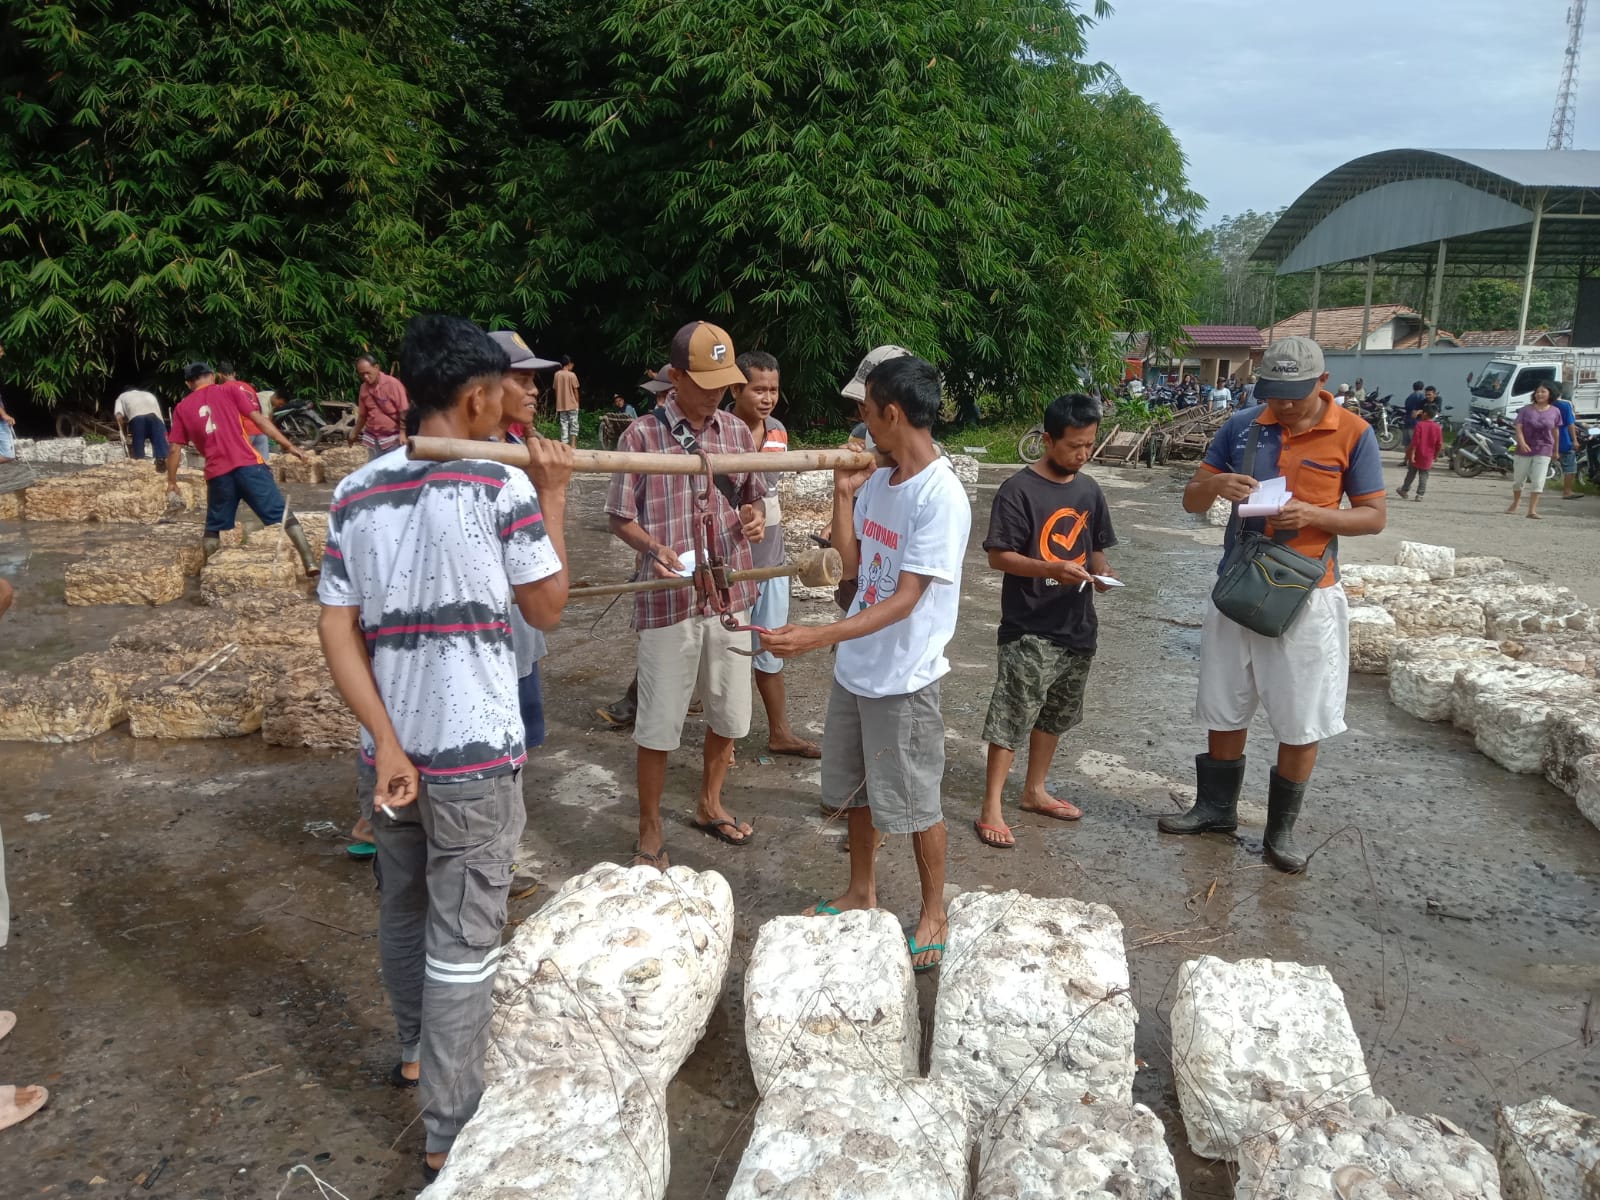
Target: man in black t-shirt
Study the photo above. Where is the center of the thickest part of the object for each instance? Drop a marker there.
(1413, 407)
(1048, 531)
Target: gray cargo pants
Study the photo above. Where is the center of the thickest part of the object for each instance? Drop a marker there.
(444, 872)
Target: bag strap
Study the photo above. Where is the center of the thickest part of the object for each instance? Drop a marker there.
(684, 436)
(1281, 536)
(1235, 522)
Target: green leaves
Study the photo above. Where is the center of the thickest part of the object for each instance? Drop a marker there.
(285, 181)
(188, 180)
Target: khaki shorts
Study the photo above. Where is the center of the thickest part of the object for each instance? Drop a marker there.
(676, 661)
(887, 753)
(1299, 678)
(1529, 471)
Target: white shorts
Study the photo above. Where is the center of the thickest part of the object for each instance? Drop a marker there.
(676, 662)
(771, 612)
(1299, 678)
(1528, 471)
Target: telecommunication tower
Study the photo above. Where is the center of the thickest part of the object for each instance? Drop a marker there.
(1566, 93)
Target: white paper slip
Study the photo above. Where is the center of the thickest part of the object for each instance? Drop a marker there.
(1268, 499)
(1264, 508)
(687, 559)
(1108, 581)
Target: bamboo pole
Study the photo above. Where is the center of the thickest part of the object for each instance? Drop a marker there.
(611, 462)
(817, 568)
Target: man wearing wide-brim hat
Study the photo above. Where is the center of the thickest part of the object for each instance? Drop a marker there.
(1325, 453)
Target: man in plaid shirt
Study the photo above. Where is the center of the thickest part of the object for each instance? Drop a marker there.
(681, 641)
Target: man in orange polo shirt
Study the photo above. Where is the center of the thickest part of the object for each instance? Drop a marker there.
(1325, 453)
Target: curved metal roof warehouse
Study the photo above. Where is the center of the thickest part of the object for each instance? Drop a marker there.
(1470, 208)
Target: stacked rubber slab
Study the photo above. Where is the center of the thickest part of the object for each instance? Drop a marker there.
(1031, 1067)
(600, 997)
(1271, 1077)
(1514, 665)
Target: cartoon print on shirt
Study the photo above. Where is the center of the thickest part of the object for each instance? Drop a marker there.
(880, 583)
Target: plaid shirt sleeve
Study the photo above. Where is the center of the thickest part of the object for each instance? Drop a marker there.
(622, 498)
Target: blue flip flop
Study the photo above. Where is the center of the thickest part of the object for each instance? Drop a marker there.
(911, 945)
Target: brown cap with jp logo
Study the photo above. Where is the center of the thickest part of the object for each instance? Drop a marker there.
(705, 353)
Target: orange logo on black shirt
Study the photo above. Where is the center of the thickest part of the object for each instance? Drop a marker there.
(1060, 534)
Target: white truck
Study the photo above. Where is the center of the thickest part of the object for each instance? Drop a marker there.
(1507, 382)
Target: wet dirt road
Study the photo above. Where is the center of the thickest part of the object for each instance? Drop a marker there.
(193, 963)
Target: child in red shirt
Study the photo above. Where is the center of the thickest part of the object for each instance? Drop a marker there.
(1426, 440)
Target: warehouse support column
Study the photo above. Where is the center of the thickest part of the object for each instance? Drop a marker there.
(1527, 275)
(1366, 316)
(1433, 311)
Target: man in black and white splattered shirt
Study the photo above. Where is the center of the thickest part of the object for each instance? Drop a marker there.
(416, 626)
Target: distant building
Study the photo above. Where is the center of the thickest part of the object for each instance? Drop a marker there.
(1389, 327)
(1210, 352)
(1497, 338)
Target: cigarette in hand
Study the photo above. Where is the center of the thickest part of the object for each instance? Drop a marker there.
(388, 812)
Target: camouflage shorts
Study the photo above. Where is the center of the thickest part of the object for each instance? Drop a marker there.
(1040, 686)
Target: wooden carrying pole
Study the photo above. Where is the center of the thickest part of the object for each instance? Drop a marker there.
(816, 568)
(612, 462)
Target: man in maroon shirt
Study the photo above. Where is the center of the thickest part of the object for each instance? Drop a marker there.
(217, 420)
(380, 409)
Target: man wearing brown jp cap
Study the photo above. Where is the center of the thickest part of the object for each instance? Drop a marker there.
(681, 639)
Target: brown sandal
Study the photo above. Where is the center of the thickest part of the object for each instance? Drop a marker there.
(643, 858)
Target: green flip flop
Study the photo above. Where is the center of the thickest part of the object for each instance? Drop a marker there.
(824, 910)
(361, 849)
(911, 945)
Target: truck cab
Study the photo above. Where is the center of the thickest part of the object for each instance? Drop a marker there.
(1506, 383)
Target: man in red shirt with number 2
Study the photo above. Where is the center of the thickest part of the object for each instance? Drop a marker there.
(217, 420)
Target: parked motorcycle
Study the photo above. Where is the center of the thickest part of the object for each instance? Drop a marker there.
(1030, 446)
(1588, 446)
(307, 422)
(1384, 417)
(1487, 444)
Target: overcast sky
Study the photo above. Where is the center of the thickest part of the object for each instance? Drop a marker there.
(1267, 96)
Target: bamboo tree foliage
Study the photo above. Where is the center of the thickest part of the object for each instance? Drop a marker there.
(189, 180)
(286, 180)
(824, 176)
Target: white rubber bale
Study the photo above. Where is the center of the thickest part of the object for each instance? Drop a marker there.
(830, 992)
(1242, 1030)
(1033, 996)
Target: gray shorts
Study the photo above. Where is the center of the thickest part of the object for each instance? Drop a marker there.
(1569, 462)
(886, 753)
(569, 425)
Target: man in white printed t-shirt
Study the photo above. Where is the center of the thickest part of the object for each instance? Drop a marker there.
(141, 412)
(423, 562)
(902, 531)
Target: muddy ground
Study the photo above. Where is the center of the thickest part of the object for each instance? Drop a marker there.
(192, 955)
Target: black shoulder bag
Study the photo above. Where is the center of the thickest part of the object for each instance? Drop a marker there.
(1264, 584)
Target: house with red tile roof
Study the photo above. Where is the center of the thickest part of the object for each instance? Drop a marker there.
(1504, 338)
(1389, 327)
(1212, 352)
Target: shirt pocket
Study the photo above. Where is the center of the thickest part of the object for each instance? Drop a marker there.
(1319, 484)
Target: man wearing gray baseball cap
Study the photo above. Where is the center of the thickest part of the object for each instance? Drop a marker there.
(1324, 453)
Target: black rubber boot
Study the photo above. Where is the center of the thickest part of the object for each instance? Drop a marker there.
(210, 544)
(297, 535)
(1216, 804)
(1283, 806)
